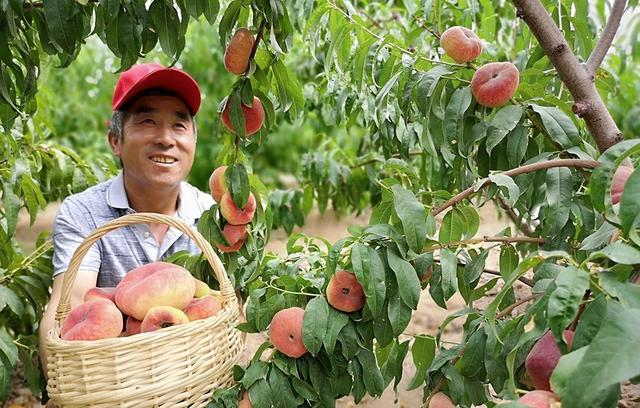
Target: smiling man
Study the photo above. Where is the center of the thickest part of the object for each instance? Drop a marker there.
(153, 133)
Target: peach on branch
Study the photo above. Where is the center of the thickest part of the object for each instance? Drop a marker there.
(543, 359)
(238, 52)
(285, 332)
(495, 83)
(253, 117)
(202, 289)
(132, 326)
(440, 400)
(201, 308)
(236, 235)
(539, 399)
(235, 215)
(154, 284)
(218, 183)
(461, 44)
(345, 293)
(159, 317)
(100, 293)
(92, 320)
(619, 181)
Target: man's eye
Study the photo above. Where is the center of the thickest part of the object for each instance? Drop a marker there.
(181, 125)
(149, 121)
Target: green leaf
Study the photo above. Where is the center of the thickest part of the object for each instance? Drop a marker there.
(472, 361)
(9, 297)
(335, 323)
(600, 182)
(280, 386)
(563, 305)
(413, 216)
(11, 203)
(257, 370)
(392, 367)
(371, 274)
(314, 324)
(630, 204)
(600, 367)
(509, 260)
(455, 112)
(260, 394)
(517, 144)
(407, 278)
(472, 220)
(238, 182)
(57, 15)
(558, 125)
(503, 180)
(475, 267)
(559, 190)
(423, 350)
(372, 376)
(8, 348)
(166, 23)
(618, 252)
(449, 264)
(228, 20)
(503, 122)
(452, 228)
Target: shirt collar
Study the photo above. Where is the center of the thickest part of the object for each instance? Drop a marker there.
(187, 209)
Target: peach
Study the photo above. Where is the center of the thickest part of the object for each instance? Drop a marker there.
(100, 293)
(201, 308)
(440, 400)
(132, 326)
(159, 317)
(238, 52)
(539, 399)
(235, 215)
(344, 292)
(92, 320)
(236, 235)
(218, 183)
(154, 284)
(543, 358)
(285, 332)
(619, 181)
(495, 83)
(253, 117)
(245, 402)
(461, 44)
(202, 289)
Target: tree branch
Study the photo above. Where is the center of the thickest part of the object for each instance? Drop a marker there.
(522, 279)
(587, 102)
(609, 33)
(507, 310)
(515, 218)
(581, 163)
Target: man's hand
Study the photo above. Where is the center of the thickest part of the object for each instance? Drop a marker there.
(50, 404)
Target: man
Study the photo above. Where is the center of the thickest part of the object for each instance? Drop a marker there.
(153, 133)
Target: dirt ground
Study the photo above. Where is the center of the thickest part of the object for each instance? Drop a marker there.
(425, 320)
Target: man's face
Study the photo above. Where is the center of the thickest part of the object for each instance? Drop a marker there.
(158, 144)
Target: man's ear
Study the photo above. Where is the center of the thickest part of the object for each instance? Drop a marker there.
(114, 143)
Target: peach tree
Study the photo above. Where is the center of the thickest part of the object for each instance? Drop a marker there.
(409, 132)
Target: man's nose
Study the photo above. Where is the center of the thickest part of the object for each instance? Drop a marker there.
(165, 136)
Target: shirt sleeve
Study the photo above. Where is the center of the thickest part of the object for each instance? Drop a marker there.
(71, 226)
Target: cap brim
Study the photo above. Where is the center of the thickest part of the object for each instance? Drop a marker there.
(170, 79)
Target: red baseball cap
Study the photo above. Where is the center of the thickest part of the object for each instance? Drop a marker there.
(141, 77)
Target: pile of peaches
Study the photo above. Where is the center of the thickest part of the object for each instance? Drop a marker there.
(149, 298)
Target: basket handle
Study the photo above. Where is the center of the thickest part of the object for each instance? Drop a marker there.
(227, 292)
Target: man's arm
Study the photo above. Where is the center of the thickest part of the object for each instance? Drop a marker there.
(83, 282)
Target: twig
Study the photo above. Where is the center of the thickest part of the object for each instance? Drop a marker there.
(522, 279)
(529, 168)
(256, 43)
(532, 240)
(507, 310)
(587, 101)
(609, 33)
(583, 304)
(515, 218)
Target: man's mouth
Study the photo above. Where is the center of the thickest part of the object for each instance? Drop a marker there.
(163, 159)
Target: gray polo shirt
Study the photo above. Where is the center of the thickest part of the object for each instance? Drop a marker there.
(121, 250)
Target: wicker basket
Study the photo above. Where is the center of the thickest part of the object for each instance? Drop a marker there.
(179, 366)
